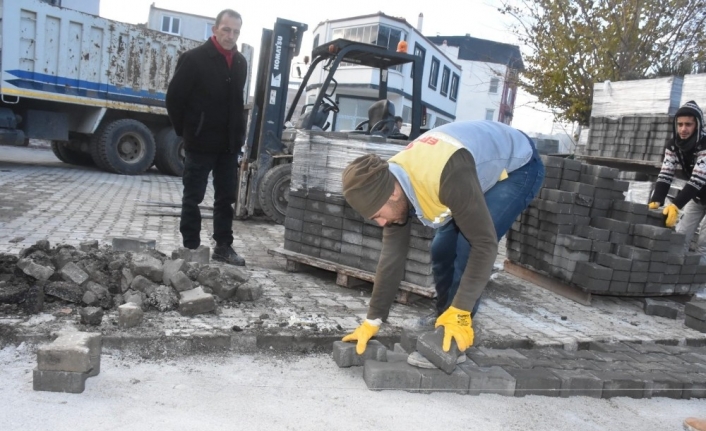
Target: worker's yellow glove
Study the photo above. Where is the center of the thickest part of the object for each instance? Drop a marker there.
(672, 214)
(362, 334)
(653, 205)
(457, 325)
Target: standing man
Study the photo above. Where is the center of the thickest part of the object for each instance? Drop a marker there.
(205, 106)
(688, 151)
(398, 125)
(468, 179)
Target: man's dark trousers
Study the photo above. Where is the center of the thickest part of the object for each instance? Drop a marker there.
(197, 166)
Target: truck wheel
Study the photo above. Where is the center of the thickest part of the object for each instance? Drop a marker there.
(274, 192)
(170, 153)
(68, 155)
(124, 147)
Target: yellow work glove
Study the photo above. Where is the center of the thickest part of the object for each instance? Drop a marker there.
(362, 334)
(672, 214)
(653, 205)
(457, 325)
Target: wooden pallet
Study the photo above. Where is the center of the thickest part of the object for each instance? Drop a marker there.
(347, 276)
(544, 281)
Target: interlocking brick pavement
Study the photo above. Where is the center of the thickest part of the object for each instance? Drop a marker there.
(42, 198)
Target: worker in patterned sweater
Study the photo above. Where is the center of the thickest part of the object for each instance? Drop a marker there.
(469, 180)
(688, 151)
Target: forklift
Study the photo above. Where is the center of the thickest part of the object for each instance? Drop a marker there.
(265, 171)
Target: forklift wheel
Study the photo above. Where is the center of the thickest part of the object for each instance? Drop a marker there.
(274, 192)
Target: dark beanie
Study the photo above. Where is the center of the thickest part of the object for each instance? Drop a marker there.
(368, 184)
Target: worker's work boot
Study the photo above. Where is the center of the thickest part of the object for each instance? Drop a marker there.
(694, 424)
(424, 323)
(418, 360)
(226, 254)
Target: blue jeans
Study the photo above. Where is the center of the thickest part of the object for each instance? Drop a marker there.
(197, 167)
(506, 200)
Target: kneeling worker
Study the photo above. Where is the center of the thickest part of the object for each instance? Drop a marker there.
(470, 180)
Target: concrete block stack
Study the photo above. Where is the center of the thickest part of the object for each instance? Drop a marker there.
(66, 363)
(633, 119)
(321, 224)
(581, 231)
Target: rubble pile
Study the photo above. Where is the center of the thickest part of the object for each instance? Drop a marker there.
(103, 278)
(582, 231)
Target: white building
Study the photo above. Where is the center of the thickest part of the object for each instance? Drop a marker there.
(358, 86)
(182, 24)
(86, 6)
(489, 77)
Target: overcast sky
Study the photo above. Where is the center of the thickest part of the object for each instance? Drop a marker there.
(479, 18)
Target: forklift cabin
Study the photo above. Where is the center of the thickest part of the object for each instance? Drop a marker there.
(266, 168)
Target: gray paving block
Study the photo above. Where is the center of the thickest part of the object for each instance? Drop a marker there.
(408, 339)
(488, 380)
(135, 245)
(696, 309)
(395, 356)
(72, 273)
(196, 301)
(434, 380)
(656, 307)
(59, 381)
(71, 351)
(621, 384)
(613, 261)
(578, 383)
(345, 356)
(129, 315)
(693, 323)
(251, 290)
(91, 315)
(201, 255)
(535, 381)
(380, 376)
(429, 345)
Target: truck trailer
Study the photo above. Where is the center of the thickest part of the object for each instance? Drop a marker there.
(93, 87)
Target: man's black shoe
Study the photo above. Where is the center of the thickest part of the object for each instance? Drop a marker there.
(226, 254)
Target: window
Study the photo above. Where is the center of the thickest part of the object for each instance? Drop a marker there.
(208, 32)
(489, 114)
(454, 87)
(380, 35)
(419, 52)
(445, 81)
(352, 112)
(170, 25)
(494, 82)
(434, 73)
(440, 122)
(316, 41)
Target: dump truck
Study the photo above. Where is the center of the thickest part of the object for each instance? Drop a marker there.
(93, 87)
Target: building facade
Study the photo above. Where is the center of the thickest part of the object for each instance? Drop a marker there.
(490, 74)
(86, 6)
(358, 86)
(182, 24)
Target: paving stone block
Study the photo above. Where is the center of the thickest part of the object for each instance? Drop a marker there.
(408, 339)
(488, 380)
(147, 266)
(181, 282)
(135, 245)
(380, 376)
(434, 380)
(91, 315)
(620, 384)
(171, 267)
(652, 232)
(249, 291)
(693, 323)
(196, 301)
(73, 273)
(429, 345)
(345, 356)
(394, 356)
(35, 270)
(696, 309)
(578, 383)
(59, 381)
(634, 253)
(659, 384)
(611, 225)
(71, 351)
(656, 307)
(535, 381)
(129, 315)
(615, 262)
(201, 255)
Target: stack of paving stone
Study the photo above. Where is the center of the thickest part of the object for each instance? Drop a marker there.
(321, 224)
(695, 311)
(604, 370)
(633, 119)
(66, 363)
(582, 231)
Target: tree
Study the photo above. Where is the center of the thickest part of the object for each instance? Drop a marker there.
(576, 43)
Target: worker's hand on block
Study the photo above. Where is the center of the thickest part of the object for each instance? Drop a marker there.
(363, 333)
(671, 213)
(653, 205)
(457, 326)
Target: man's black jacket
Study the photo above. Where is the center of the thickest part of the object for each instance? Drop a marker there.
(205, 100)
